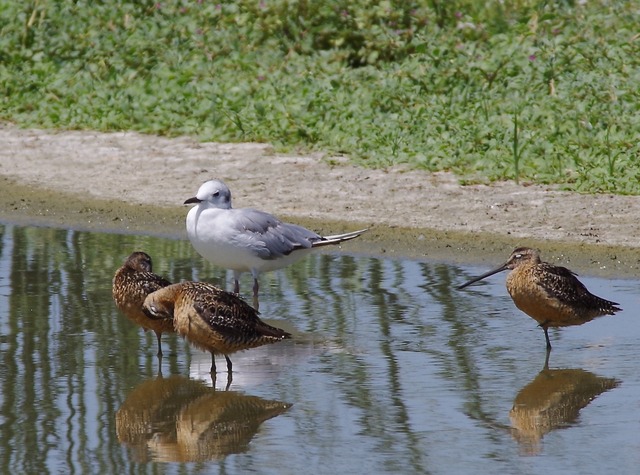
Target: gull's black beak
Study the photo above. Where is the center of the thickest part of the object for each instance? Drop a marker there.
(483, 276)
(192, 200)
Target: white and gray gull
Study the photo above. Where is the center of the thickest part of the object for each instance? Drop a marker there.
(247, 239)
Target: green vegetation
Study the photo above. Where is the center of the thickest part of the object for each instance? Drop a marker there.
(536, 91)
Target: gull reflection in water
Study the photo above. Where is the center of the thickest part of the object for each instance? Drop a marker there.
(177, 419)
(553, 400)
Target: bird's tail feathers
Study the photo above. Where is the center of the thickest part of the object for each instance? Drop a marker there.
(267, 330)
(338, 238)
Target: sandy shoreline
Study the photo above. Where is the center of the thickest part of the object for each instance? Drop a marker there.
(128, 182)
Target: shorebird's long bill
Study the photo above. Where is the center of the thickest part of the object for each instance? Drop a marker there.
(192, 200)
(151, 313)
(483, 276)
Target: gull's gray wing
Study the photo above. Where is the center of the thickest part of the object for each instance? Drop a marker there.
(267, 236)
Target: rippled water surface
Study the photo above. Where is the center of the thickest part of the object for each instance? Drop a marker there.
(391, 370)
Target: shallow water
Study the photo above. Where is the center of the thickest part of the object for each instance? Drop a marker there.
(391, 370)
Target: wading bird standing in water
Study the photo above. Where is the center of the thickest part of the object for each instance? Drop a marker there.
(131, 284)
(246, 239)
(212, 319)
(551, 295)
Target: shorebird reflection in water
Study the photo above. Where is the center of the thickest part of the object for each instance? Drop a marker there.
(552, 400)
(131, 284)
(551, 295)
(246, 239)
(212, 319)
(178, 419)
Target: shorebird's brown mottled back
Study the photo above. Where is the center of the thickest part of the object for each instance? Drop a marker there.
(551, 295)
(212, 319)
(131, 284)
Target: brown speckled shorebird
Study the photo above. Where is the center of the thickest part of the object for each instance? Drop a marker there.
(131, 285)
(549, 294)
(212, 319)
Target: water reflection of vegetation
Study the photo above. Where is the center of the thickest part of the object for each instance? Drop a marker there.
(381, 328)
(416, 311)
(459, 361)
(181, 420)
(332, 300)
(60, 330)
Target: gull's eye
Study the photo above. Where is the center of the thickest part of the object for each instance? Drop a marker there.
(216, 194)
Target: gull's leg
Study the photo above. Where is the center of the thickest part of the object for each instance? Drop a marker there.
(256, 287)
(236, 282)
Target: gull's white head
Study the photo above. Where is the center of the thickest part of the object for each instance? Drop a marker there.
(214, 193)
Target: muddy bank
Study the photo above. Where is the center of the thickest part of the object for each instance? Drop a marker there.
(133, 183)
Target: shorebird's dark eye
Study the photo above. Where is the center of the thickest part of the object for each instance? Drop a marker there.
(518, 256)
(217, 193)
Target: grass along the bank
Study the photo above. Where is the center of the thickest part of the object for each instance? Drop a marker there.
(535, 91)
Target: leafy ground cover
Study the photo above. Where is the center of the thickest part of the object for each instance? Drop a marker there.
(535, 91)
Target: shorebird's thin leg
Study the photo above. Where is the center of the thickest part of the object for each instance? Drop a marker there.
(546, 359)
(546, 335)
(158, 336)
(213, 364)
(229, 373)
(159, 366)
(229, 365)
